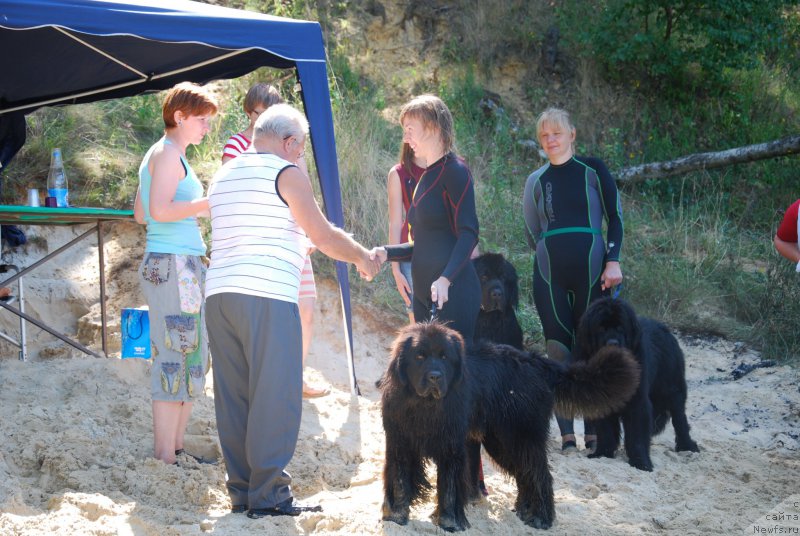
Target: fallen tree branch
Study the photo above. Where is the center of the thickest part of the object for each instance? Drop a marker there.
(695, 162)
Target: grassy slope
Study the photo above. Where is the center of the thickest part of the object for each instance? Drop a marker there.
(698, 248)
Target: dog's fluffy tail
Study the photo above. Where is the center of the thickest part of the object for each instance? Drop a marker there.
(597, 387)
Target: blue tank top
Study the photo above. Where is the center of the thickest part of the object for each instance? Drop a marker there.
(181, 237)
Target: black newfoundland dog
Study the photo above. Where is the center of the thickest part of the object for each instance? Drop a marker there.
(662, 389)
(439, 399)
(497, 320)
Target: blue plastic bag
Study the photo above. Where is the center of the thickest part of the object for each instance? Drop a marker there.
(135, 333)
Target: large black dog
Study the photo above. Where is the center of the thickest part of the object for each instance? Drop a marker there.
(662, 389)
(497, 319)
(439, 399)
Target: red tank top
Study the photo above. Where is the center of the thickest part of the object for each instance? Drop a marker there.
(408, 181)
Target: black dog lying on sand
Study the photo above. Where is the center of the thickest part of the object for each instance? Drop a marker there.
(497, 319)
(662, 389)
(440, 399)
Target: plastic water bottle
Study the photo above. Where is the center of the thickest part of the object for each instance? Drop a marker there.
(57, 180)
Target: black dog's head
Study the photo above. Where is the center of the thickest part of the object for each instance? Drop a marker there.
(608, 322)
(499, 282)
(427, 358)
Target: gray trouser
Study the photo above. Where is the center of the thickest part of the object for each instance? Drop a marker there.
(258, 383)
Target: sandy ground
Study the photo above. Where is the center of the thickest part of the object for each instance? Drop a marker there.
(77, 441)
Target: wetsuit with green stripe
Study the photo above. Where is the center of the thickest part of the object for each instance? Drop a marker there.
(564, 208)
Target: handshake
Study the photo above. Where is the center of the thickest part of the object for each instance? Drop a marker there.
(371, 263)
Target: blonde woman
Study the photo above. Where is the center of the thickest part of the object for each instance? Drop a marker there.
(564, 205)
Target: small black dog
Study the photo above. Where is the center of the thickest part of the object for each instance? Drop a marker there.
(497, 319)
(662, 390)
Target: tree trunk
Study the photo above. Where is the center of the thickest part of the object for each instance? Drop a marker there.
(694, 162)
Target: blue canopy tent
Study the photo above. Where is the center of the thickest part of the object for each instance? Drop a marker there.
(57, 52)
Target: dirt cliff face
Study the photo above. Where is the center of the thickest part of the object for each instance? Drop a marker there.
(407, 48)
(402, 47)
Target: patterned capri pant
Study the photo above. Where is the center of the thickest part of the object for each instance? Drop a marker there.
(173, 287)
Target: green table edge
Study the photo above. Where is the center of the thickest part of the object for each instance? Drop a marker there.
(43, 215)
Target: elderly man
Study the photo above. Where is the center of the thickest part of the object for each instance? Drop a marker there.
(262, 207)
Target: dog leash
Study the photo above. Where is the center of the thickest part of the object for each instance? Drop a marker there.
(433, 311)
(615, 291)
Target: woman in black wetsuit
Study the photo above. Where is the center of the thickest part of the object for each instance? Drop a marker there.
(445, 224)
(444, 220)
(564, 205)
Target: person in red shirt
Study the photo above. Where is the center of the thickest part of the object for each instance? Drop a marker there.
(400, 185)
(786, 237)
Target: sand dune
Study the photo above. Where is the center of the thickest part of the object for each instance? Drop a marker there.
(77, 444)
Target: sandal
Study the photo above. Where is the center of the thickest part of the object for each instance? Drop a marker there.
(286, 508)
(198, 459)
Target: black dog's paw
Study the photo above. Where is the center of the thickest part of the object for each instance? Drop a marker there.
(396, 517)
(450, 522)
(535, 520)
(601, 454)
(641, 464)
(539, 523)
(689, 446)
(399, 517)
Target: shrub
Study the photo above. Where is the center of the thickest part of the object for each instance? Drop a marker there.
(676, 46)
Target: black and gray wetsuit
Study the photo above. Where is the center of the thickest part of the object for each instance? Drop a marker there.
(564, 208)
(445, 226)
